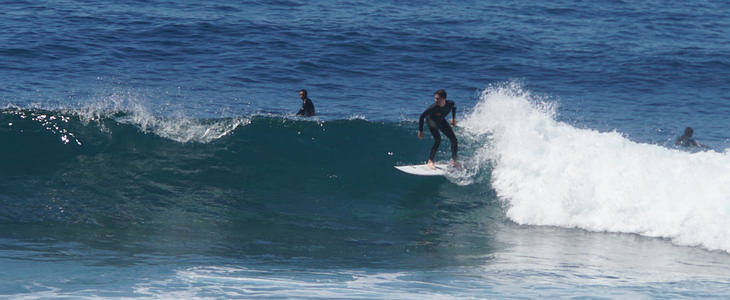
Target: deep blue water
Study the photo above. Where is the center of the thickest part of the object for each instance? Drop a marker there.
(150, 149)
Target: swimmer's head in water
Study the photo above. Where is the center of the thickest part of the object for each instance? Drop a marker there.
(688, 131)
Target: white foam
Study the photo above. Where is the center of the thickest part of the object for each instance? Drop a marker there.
(240, 282)
(357, 117)
(179, 128)
(183, 129)
(550, 173)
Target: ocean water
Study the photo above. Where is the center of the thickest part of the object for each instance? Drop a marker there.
(149, 149)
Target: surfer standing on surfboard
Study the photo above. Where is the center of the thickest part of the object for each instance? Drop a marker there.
(435, 116)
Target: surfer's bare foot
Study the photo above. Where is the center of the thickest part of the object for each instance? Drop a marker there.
(455, 164)
(431, 165)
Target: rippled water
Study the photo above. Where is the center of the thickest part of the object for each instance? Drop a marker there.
(149, 149)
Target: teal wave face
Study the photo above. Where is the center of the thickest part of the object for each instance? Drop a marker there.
(265, 186)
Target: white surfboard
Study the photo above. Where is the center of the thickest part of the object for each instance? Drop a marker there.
(424, 170)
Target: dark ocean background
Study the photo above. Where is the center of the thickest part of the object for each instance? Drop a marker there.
(150, 149)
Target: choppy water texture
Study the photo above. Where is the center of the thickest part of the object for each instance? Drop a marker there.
(149, 149)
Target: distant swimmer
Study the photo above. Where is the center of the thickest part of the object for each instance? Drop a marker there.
(686, 139)
(307, 109)
(435, 116)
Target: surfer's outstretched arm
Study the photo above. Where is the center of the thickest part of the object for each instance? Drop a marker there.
(420, 121)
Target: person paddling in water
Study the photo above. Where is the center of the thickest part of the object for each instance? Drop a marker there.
(435, 116)
(686, 139)
(307, 109)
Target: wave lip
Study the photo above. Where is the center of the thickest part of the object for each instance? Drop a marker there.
(185, 130)
(550, 173)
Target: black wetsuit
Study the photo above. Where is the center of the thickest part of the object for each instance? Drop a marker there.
(685, 141)
(307, 109)
(436, 119)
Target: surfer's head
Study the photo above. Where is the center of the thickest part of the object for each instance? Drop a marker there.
(440, 97)
(688, 131)
(303, 94)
